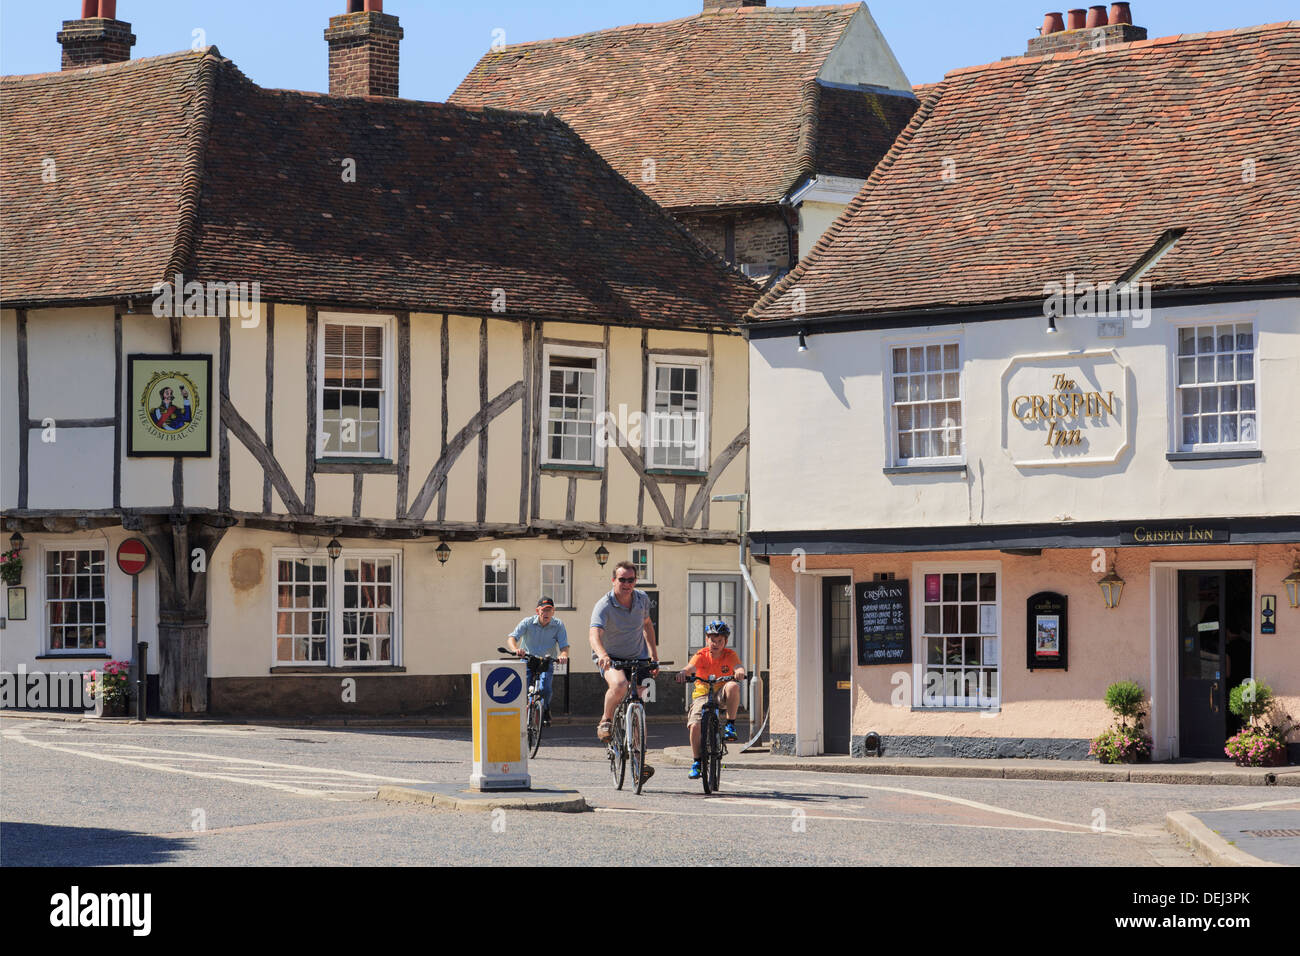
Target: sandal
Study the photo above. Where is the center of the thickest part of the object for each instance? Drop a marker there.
(605, 731)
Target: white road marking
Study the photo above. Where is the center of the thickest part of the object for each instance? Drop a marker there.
(1293, 801)
(854, 819)
(229, 769)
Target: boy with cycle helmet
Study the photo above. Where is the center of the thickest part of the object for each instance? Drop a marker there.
(715, 659)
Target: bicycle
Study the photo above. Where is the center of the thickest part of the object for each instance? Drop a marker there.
(627, 741)
(713, 745)
(537, 666)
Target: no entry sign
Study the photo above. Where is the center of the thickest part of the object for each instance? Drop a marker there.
(132, 556)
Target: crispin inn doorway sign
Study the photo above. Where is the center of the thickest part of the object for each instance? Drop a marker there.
(1064, 409)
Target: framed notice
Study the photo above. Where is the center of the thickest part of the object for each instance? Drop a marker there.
(1047, 627)
(883, 622)
(170, 409)
(18, 604)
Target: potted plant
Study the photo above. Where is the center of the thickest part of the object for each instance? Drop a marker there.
(111, 685)
(1262, 743)
(11, 566)
(1123, 743)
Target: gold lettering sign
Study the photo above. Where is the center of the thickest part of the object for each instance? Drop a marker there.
(1066, 402)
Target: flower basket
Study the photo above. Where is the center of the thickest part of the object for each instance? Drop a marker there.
(1256, 748)
(11, 567)
(111, 685)
(1121, 745)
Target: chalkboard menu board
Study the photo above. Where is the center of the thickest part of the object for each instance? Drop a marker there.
(883, 622)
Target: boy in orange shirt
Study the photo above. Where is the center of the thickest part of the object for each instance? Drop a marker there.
(715, 660)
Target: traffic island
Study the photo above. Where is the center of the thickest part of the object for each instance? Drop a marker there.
(451, 797)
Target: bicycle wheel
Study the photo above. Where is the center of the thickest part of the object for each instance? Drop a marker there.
(534, 725)
(636, 742)
(707, 733)
(714, 769)
(617, 753)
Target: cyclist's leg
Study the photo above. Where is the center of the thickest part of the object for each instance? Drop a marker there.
(615, 690)
(730, 700)
(544, 684)
(693, 721)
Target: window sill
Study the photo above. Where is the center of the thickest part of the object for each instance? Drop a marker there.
(574, 469)
(352, 466)
(338, 669)
(923, 469)
(497, 607)
(76, 656)
(689, 473)
(1212, 455)
(992, 709)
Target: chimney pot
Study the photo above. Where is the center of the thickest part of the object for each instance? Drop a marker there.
(1096, 17)
(355, 6)
(1077, 18)
(1120, 13)
(1053, 23)
(108, 9)
(89, 8)
(375, 6)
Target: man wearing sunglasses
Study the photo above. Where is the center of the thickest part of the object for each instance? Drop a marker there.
(621, 628)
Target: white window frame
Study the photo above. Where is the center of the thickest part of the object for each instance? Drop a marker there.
(741, 608)
(920, 670)
(98, 544)
(701, 365)
(892, 457)
(648, 577)
(1175, 403)
(597, 446)
(510, 584)
(334, 570)
(387, 405)
(550, 589)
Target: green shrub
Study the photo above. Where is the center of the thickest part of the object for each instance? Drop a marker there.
(1126, 698)
(1250, 700)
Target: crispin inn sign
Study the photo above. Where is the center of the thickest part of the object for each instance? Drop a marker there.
(1065, 409)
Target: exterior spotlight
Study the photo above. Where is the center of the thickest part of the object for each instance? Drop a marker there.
(602, 555)
(334, 549)
(1292, 582)
(803, 341)
(1111, 587)
(443, 552)
(16, 542)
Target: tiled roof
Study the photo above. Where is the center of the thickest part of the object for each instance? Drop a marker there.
(721, 103)
(180, 163)
(1022, 172)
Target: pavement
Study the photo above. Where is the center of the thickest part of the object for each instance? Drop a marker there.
(1264, 832)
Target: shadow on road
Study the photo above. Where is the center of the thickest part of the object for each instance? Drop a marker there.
(35, 844)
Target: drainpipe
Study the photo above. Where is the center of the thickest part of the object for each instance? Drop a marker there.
(756, 716)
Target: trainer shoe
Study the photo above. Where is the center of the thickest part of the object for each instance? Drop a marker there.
(729, 732)
(546, 718)
(695, 770)
(647, 773)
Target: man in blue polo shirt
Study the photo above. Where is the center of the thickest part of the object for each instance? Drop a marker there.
(540, 635)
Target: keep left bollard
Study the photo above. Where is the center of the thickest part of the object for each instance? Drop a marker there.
(498, 693)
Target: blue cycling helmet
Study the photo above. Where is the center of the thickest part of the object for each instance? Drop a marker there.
(718, 627)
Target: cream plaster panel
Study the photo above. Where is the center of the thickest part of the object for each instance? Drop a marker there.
(624, 487)
(70, 363)
(74, 471)
(587, 506)
(671, 339)
(573, 330)
(248, 378)
(290, 398)
(554, 496)
(814, 219)
(426, 398)
(245, 479)
(820, 432)
(24, 641)
(9, 431)
(333, 495)
(863, 56)
(730, 393)
(462, 405)
(625, 380)
(379, 496)
(503, 465)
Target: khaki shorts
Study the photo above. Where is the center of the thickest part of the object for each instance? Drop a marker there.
(697, 711)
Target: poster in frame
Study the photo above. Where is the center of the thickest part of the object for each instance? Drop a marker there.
(169, 406)
(17, 604)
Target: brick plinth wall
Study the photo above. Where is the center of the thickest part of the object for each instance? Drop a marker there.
(93, 42)
(363, 54)
(1097, 38)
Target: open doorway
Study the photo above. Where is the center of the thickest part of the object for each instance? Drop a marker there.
(1214, 655)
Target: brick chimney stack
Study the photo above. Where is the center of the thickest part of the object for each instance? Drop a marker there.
(363, 50)
(1091, 29)
(97, 38)
(713, 6)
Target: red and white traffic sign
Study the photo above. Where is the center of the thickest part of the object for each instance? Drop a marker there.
(132, 556)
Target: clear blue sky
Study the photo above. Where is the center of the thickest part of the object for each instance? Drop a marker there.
(278, 43)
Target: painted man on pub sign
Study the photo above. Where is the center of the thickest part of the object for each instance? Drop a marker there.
(169, 417)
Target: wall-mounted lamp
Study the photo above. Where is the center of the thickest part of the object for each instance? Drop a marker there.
(334, 549)
(443, 552)
(1292, 582)
(602, 555)
(1112, 585)
(16, 542)
(803, 340)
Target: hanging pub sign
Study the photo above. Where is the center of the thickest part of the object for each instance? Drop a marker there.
(883, 622)
(1047, 626)
(171, 408)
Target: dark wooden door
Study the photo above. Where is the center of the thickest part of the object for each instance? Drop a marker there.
(837, 662)
(1202, 691)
